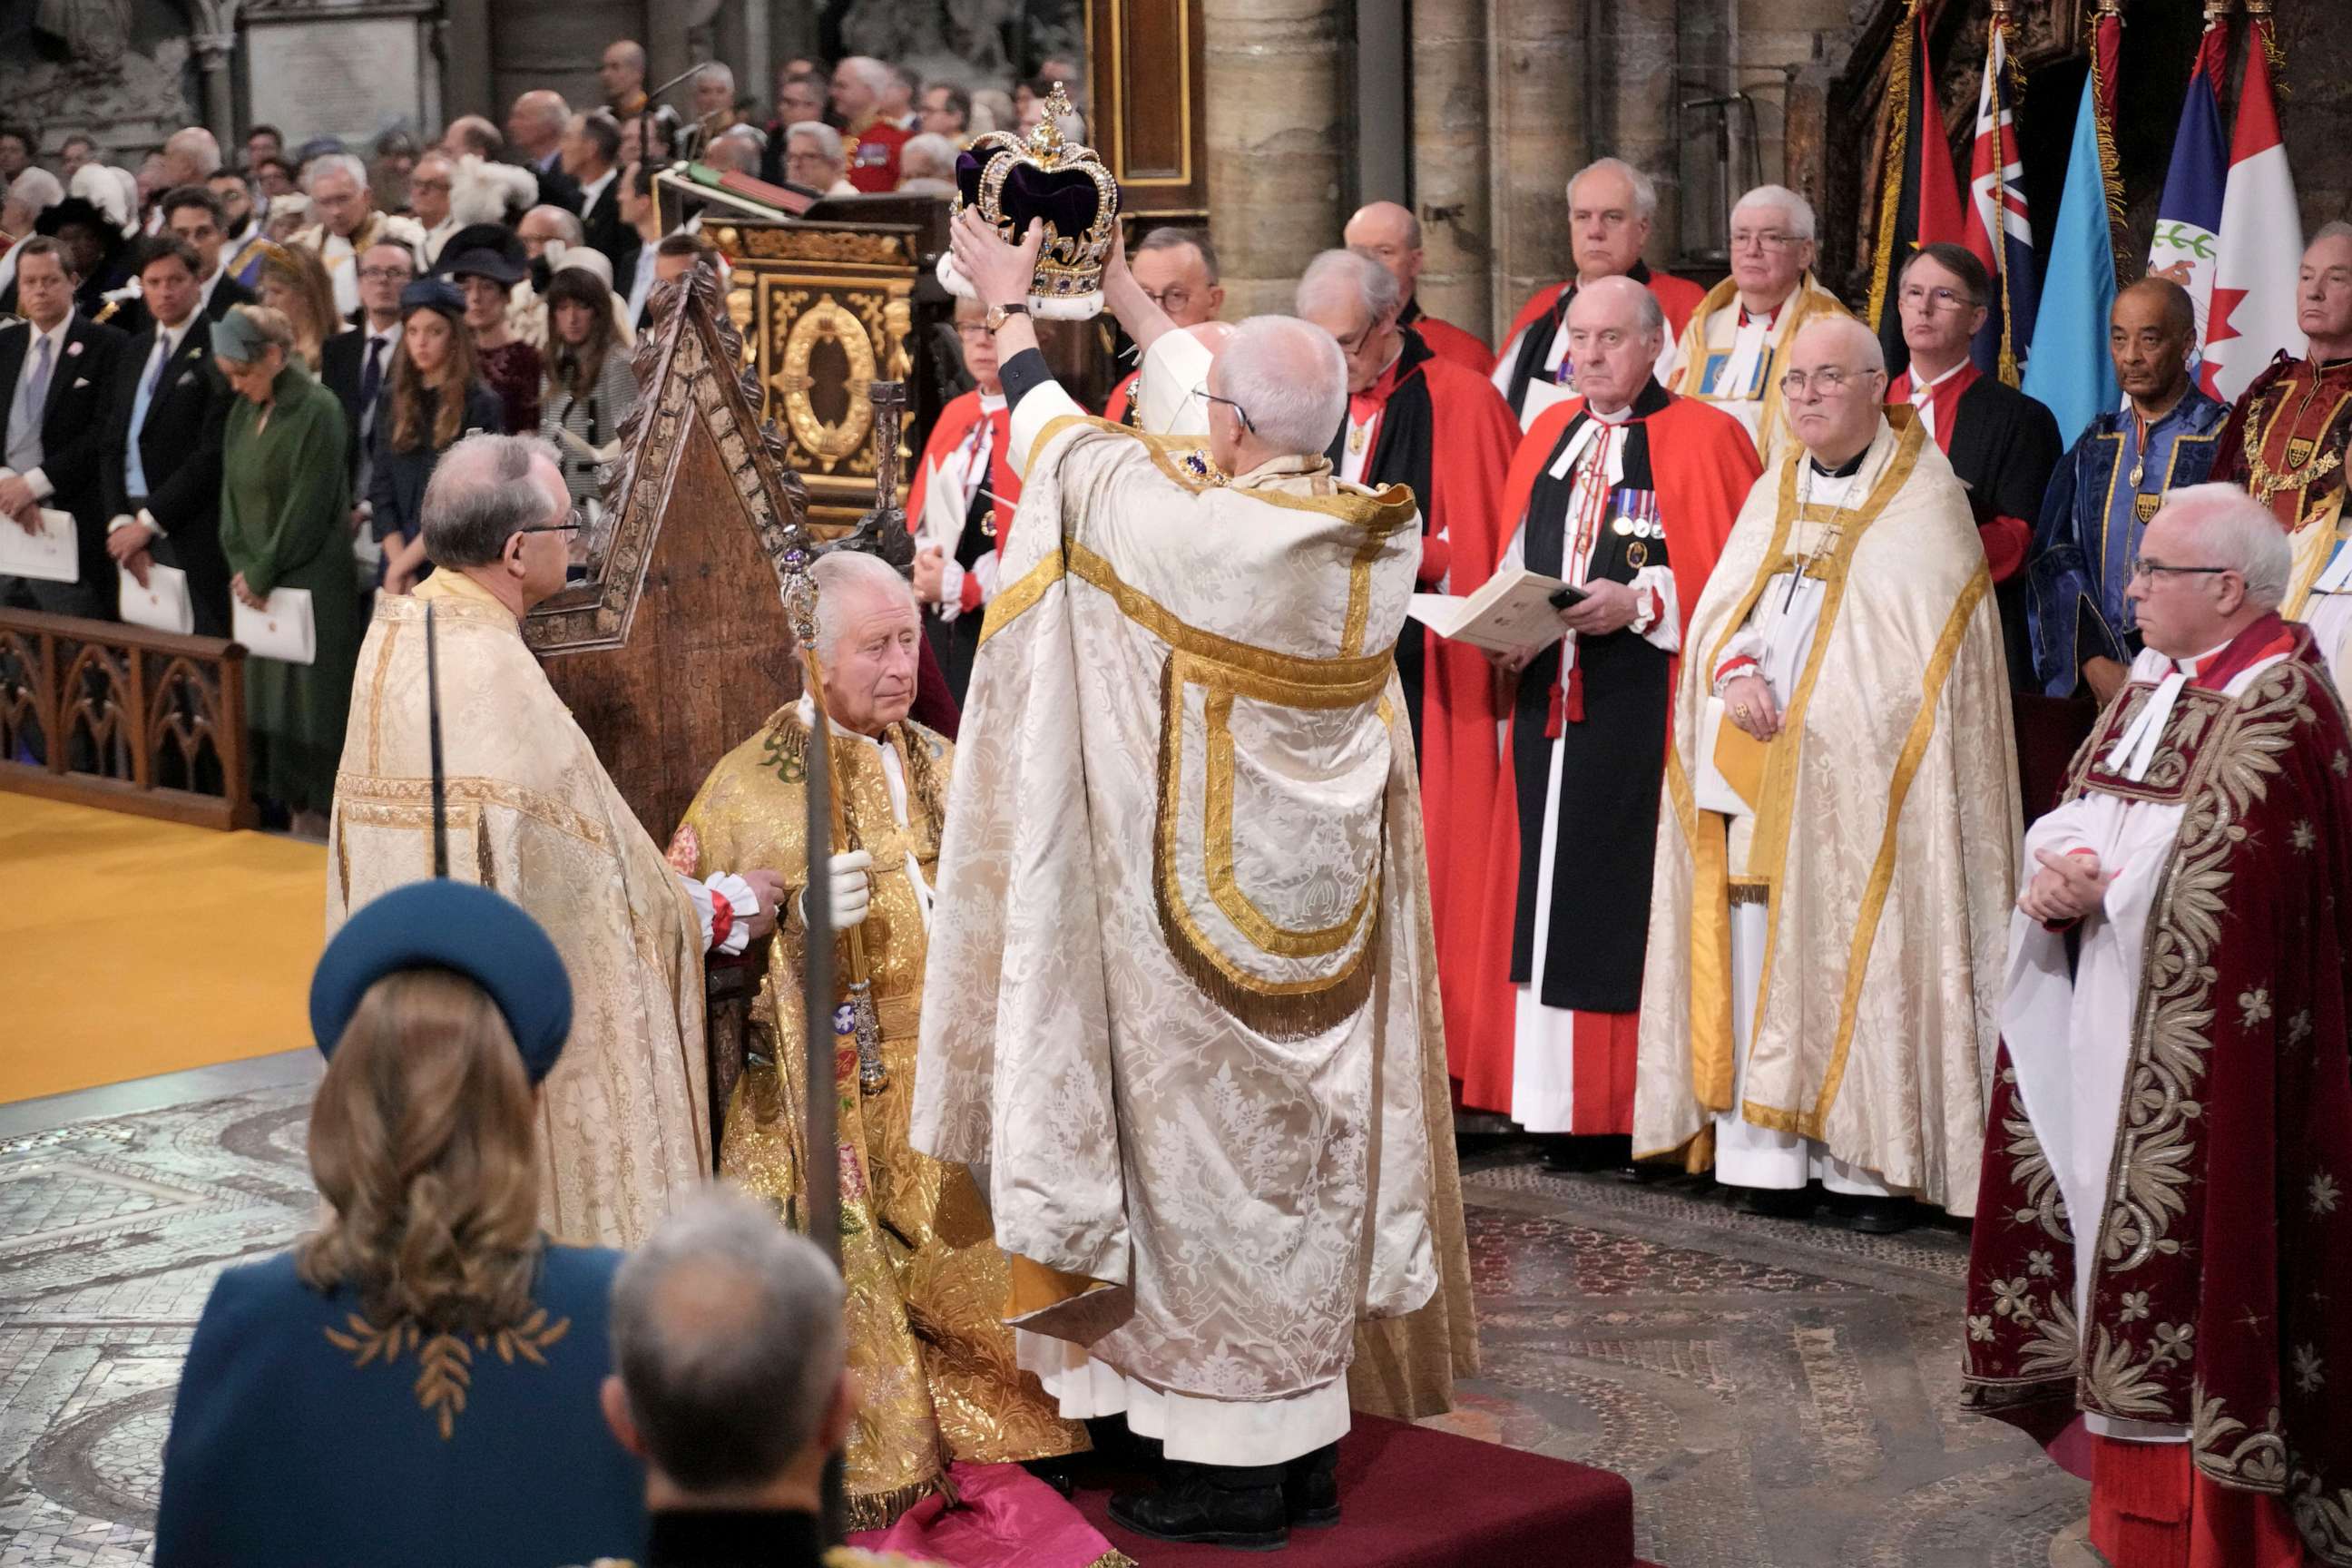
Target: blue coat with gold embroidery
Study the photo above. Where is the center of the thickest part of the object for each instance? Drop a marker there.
(2092, 520)
(306, 1435)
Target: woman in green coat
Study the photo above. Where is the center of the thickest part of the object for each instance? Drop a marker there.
(286, 508)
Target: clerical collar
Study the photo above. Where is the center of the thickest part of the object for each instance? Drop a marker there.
(1844, 470)
(1611, 415)
(732, 1538)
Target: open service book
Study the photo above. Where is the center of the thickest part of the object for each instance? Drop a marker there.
(1511, 611)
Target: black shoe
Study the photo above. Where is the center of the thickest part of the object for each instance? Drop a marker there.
(1777, 1202)
(1059, 1472)
(1310, 1489)
(1213, 1505)
(1880, 1216)
(1573, 1154)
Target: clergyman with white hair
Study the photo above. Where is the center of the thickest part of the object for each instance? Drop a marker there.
(1612, 206)
(534, 815)
(347, 222)
(1184, 857)
(2171, 1120)
(1733, 351)
(916, 1239)
(1828, 898)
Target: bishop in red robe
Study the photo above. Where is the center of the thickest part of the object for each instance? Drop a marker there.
(2156, 1282)
(1627, 492)
(1178, 268)
(1610, 204)
(1421, 421)
(959, 505)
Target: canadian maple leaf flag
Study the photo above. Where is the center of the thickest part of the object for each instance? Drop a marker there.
(2253, 310)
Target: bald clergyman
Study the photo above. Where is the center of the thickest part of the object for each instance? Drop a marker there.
(1836, 857)
(1181, 957)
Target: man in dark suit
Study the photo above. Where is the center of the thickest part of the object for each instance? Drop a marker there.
(160, 475)
(356, 366)
(194, 214)
(56, 376)
(591, 144)
(535, 128)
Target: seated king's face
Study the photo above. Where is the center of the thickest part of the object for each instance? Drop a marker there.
(870, 671)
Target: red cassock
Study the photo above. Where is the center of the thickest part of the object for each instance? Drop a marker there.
(1701, 463)
(949, 646)
(950, 437)
(1448, 342)
(1443, 431)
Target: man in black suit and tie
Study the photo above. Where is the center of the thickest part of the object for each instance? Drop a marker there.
(535, 130)
(194, 214)
(57, 373)
(160, 474)
(357, 367)
(591, 144)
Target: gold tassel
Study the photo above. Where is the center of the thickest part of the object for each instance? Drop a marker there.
(2110, 158)
(2266, 29)
(1891, 161)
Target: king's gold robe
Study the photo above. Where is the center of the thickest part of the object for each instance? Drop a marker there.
(1179, 971)
(926, 1284)
(1881, 847)
(624, 1117)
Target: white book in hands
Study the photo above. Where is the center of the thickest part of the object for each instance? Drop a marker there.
(281, 629)
(162, 605)
(1513, 610)
(50, 551)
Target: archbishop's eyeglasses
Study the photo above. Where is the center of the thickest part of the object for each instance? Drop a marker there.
(1239, 412)
(2142, 566)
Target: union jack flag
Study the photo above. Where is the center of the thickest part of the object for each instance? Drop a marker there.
(1997, 206)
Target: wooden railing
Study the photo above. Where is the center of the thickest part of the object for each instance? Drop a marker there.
(122, 718)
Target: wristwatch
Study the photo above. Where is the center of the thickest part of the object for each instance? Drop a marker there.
(999, 314)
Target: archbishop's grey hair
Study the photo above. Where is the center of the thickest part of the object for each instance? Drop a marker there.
(728, 1335)
(843, 576)
(2238, 531)
(1645, 190)
(1290, 377)
(1351, 276)
(1799, 210)
(482, 491)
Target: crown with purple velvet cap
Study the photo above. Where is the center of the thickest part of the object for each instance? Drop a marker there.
(1008, 180)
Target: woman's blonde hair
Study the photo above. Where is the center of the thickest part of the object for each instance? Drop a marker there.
(313, 318)
(423, 1143)
(407, 385)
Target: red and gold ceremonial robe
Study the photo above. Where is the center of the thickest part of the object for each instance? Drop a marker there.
(2287, 441)
(1532, 371)
(2163, 1229)
(1645, 497)
(1440, 431)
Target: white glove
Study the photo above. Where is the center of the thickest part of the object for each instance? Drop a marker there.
(851, 877)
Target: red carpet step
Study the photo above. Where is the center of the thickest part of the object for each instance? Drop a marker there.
(1413, 1498)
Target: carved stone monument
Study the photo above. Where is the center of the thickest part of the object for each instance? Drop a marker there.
(345, 70)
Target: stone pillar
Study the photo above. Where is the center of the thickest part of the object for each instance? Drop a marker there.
(1536, 107)
(213, 53)
(1631, 75)
(1449, 162)
(1275, 97)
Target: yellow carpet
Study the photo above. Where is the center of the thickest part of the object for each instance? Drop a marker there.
(131, 947)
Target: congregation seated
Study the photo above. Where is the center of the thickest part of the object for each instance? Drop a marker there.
(416, 1380)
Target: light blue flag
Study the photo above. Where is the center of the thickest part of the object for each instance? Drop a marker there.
(2069, 369)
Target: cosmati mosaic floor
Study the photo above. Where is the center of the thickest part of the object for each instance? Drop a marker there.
(1780, 1394)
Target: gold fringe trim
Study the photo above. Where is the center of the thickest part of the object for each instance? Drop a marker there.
(2011, 90)
(2103, 123)
(2272, 50)
(1113, 1558)
(862, 1511)
(1898, 146)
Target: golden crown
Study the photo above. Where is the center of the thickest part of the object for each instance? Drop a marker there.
(1010, 181)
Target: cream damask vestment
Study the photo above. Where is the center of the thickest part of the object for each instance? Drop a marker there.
(936, 1374)
(624, 1119)
(1823, 973)
(1181, 969)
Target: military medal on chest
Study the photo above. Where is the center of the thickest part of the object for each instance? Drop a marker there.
(1636, 522)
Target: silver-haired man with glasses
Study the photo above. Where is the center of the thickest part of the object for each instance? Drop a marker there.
(1838, 850)
(532, 814)
(1731, 353)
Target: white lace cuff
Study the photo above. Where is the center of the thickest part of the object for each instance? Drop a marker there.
(741, 902)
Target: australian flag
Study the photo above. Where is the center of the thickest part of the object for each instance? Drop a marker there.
(1997, 226)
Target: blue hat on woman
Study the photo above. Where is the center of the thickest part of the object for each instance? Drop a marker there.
(433, 294)
(462, 928)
